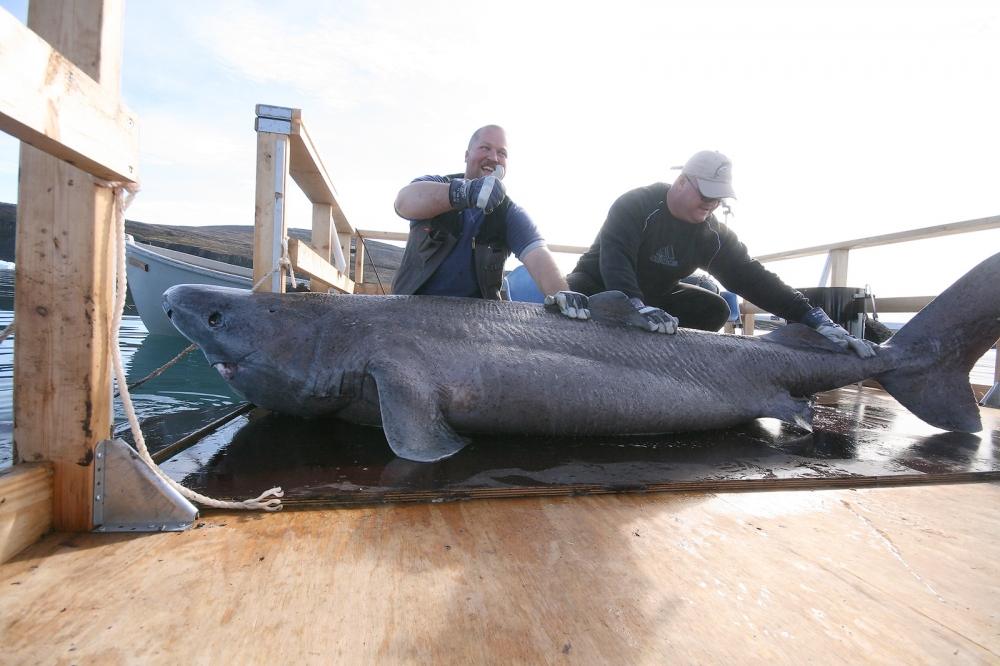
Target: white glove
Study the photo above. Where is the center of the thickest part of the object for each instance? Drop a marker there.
(571, 304)
(837, 334)
(656, 319)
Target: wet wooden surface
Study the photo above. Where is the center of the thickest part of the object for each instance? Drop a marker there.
(861, 437)
(904, 575)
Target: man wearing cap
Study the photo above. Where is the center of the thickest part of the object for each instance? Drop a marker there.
(654, 236)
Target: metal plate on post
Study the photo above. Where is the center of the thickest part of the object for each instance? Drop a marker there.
(272, 125)
(992, 397)
(272, 111)
(130, 497)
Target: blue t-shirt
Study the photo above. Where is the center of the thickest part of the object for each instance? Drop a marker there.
(456, 276)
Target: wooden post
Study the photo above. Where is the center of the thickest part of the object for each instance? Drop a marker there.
(322, 240)
(322, 231)
(838, 268)
(345, 247)
(63, 290)
(269, 212)
(996, 364)
(359, 260)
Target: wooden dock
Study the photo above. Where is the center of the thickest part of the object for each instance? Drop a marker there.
(900, 575)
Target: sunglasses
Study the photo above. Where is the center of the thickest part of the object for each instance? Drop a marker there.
(704, 199)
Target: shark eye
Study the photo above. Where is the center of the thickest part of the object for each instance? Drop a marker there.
(215, 319)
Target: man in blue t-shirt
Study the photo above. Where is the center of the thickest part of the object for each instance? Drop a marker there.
(463, 227)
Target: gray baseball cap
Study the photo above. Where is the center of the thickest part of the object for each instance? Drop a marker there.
(712, 173)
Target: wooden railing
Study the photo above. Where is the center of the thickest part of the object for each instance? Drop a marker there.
(284, 149)
(835, 271)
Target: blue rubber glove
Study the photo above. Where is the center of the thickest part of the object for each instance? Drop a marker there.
(570, 303)
(656, 319)
(821, 322)
(486, 193)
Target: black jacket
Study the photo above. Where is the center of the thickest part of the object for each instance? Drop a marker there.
(644, 251)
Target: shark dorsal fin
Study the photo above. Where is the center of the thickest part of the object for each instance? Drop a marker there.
(800, 336)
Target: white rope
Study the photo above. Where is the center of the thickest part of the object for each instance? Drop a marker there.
(163, 368)
(284, 265)
(268, 500)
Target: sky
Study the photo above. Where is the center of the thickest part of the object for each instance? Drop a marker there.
(843, 119)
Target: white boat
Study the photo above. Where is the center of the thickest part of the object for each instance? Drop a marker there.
(152, 270)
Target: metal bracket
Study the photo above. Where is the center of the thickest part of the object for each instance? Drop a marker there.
(992, 397)
(273, 126)
(272, 111)
(130, 497)
(274, 119)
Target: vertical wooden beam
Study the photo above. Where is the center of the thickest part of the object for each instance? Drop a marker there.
(996, 364)
(269, 211)
(345, 248)
(322, 240)
(838, 267)
(359, 260)
(63, 292)
(322, 230)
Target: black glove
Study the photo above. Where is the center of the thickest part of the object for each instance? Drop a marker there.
(655, 319)
(821, 322)
(486, 193)
(570, 303)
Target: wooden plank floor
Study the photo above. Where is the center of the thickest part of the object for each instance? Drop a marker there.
(882, 575)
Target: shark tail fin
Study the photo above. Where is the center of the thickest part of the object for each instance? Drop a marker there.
(938, 347)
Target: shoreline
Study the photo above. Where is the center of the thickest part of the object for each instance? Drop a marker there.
(232, 244)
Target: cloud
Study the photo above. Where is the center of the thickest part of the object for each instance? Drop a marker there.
(186, 141)
(346, 62)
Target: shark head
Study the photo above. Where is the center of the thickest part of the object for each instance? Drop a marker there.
(261, 346)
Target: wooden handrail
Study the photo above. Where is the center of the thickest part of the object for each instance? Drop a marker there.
(284, 148)
(402, 236)
(968, 226)
(893, 304)
(92, 130)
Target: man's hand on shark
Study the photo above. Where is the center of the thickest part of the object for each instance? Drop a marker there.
(835, 333)
(654, 319)
(571, 304)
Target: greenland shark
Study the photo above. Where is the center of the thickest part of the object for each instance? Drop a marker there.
(430, 369)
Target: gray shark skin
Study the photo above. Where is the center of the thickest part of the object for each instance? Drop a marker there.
(429, 368)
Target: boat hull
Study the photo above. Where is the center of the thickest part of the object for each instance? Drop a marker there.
(153, 270)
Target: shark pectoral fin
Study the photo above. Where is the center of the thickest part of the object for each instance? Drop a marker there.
(797, 411)
(412, 419)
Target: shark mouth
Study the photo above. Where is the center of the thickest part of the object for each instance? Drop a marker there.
(226, 369)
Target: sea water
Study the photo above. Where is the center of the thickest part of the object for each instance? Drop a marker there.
(189, 388)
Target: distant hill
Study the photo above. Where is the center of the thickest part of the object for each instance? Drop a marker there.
(232, 244)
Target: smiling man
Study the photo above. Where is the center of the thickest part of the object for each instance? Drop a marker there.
(657, 235)
(464, 226)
